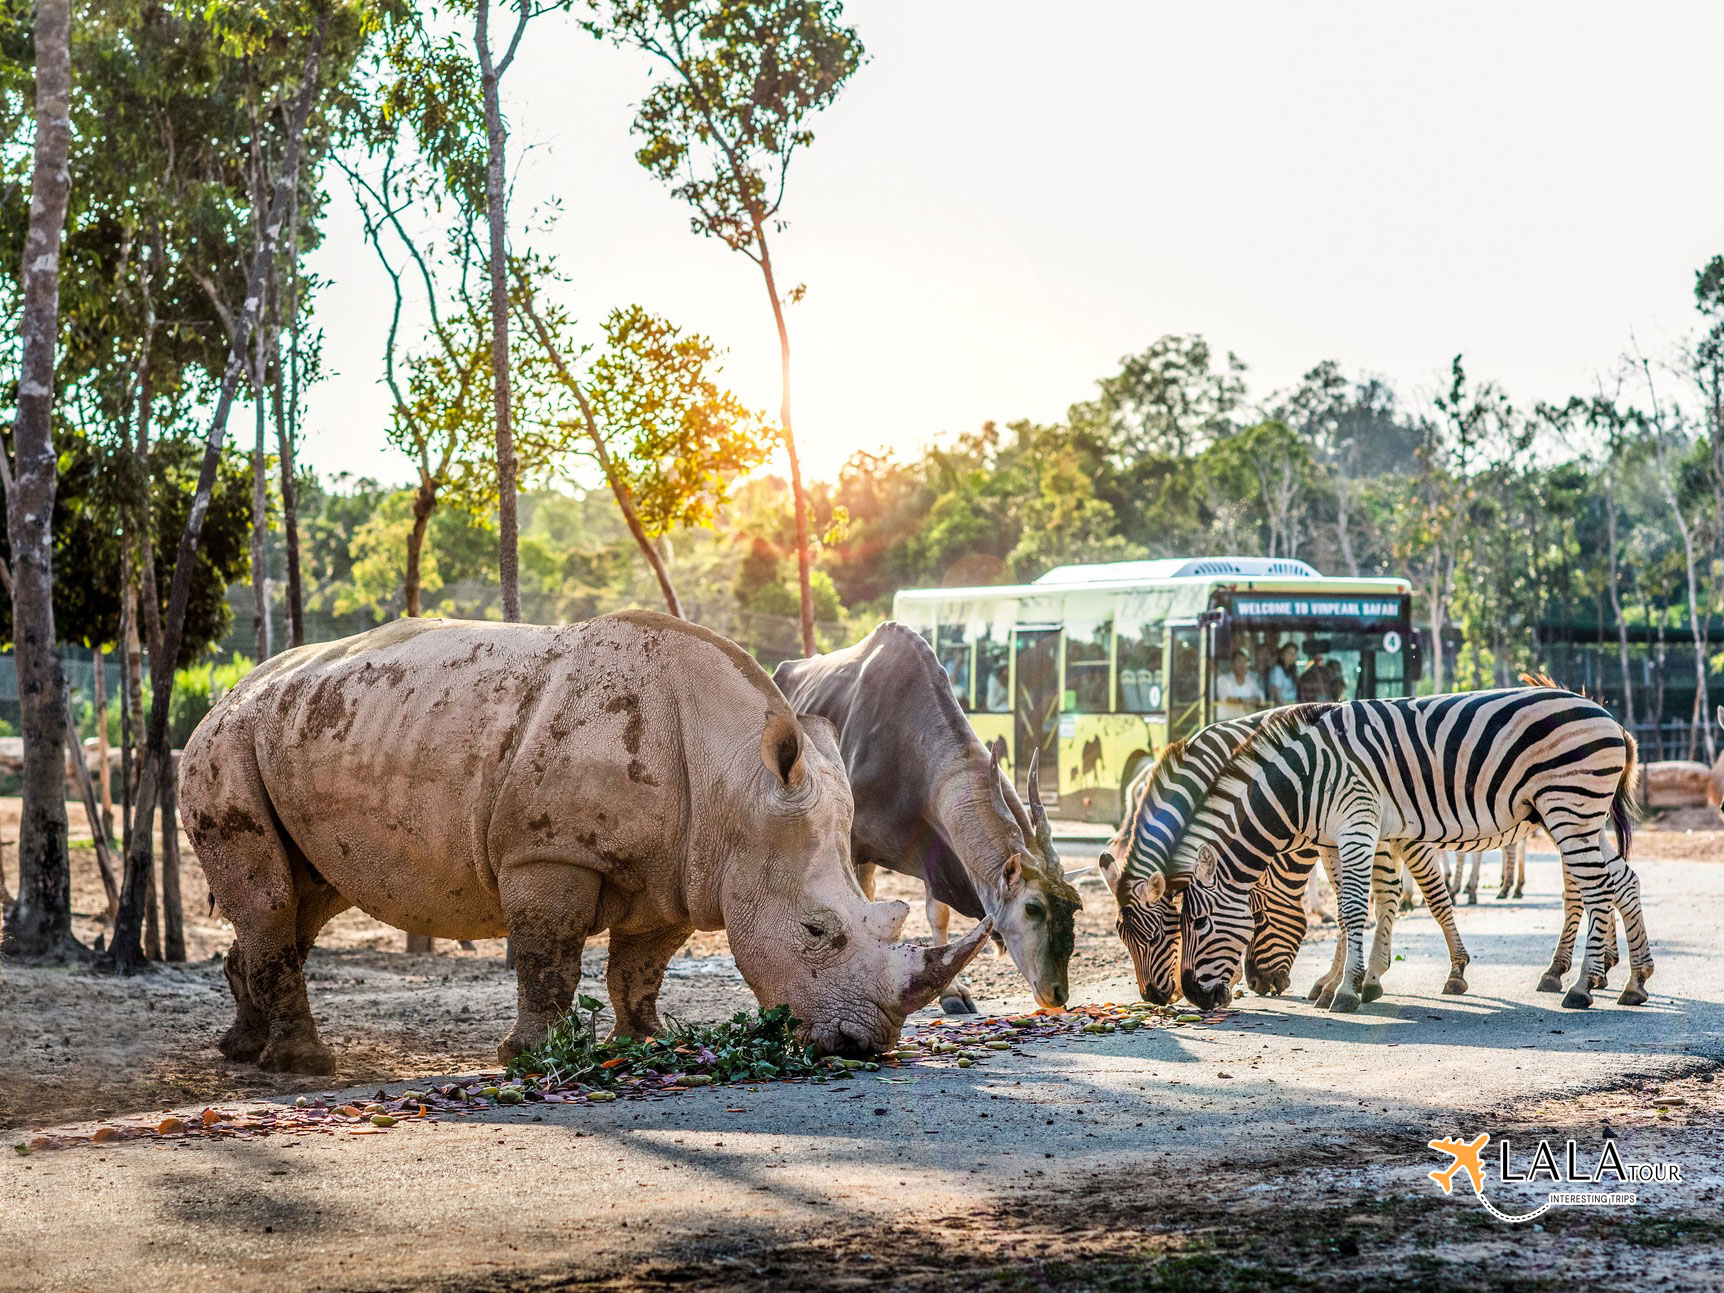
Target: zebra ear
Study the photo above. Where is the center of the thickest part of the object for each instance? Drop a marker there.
(1207, 861)
(1147, 890)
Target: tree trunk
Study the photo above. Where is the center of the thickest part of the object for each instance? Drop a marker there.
(289, 513)
(173, 917)
(424, 502)
(1616, 594)
(125, 953)
(259, 526)
(496, 144)
(40, 922)
(1437, 620)
(103, 750)
(799, 496)
(601, 451)
(92, 814)
(1343, 522)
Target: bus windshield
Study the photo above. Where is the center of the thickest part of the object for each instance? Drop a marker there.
(1281, 663)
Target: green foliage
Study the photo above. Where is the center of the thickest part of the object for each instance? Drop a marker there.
(750, 1047)
(97, 483)
(745, 78)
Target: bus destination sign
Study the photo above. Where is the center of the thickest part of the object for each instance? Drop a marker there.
(1323, 608)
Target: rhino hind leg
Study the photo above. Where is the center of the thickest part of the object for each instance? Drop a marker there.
(277, 904)
(550, 908)
(634, 974)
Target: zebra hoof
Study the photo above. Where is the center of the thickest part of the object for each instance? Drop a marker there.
(1371, 991)
(1517, 891)
(1550, 982)
(1578, 998)
(1632, 996)
(1345, 1003)
(1455, 987)
(1472, 900)
(1501, 894)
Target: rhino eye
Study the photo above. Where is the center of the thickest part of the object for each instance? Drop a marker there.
(814, 931)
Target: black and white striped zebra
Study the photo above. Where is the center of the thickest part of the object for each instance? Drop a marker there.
(1474, 770)
(1279, 921)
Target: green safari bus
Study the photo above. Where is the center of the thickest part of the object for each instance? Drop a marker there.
(1100, 666)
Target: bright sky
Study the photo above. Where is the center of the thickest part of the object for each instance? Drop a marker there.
(1010, 196)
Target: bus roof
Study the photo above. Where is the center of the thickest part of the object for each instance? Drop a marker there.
(1119, 576)
(1109, 572)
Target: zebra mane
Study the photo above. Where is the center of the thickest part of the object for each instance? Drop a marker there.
(1259, 734)
(1540, 678)
(1153, 805)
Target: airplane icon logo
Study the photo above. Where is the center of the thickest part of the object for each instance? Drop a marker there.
(1467, 1156)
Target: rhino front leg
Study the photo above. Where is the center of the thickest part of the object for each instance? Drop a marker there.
(635, 974)
(550, 908)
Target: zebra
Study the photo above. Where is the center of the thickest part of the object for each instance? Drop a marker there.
(1514, 872)
(1474, 770)
(1278, 914)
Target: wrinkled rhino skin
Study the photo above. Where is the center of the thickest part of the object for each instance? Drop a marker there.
(464, 780)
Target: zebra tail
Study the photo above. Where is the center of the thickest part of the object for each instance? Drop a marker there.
(1625, 805)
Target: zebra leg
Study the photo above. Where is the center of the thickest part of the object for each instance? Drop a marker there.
(1409, 897)
(1508, 872)
(1452, 872)
(1421, 862)
(1563, 956)
(1385, 906)
(1358, 852)
(1477, 860)
(1519, 868)
(1579, 840)
(1323, 991)
(1625, 889)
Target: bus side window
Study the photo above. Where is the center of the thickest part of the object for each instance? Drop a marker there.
(993, 679)
(954, 654)
(1086, 666)
(1139, 689)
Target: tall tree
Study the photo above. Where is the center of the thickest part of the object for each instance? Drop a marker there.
(125, 953)
(648, 412)
(741, 80)
(40, 923)
(1666, 433)
(491, 72)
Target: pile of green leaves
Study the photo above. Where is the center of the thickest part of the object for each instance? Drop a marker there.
(750, 1047)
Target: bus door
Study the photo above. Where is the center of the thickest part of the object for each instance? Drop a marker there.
(1036, 707)
(1187, 673)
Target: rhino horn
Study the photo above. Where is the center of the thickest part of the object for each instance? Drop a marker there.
(930, 969)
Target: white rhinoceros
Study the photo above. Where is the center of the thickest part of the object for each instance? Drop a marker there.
(635, 773)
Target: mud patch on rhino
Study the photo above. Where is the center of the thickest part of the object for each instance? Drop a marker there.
(638, 773)
(628, 704)
(329, 712)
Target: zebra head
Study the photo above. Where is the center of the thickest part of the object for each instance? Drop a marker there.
(1215, 929)
(1150, 932)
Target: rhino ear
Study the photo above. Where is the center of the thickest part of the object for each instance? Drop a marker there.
(781, 750)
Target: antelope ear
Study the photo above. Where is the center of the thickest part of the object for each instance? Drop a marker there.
(781, 750)
(1012, 873)
(1207, 861)
(1148, 890)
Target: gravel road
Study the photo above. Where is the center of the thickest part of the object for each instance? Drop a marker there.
(528, 1198)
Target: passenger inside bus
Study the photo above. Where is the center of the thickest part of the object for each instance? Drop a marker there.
(999, 698)
(1283, 678)
(1322, 678)
(1238, 692)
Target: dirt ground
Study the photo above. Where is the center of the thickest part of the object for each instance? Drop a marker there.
(1259, 1222)
(74, 1044)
